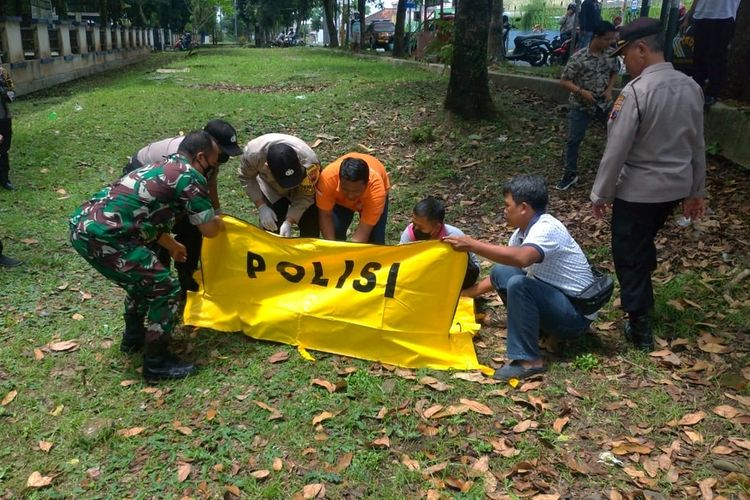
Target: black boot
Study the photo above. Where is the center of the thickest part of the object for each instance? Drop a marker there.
(135, 334)
(638, 331)
(160, 364)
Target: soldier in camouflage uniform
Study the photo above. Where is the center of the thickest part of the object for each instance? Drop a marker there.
(116, 232)
(7, 95)
(589, 76)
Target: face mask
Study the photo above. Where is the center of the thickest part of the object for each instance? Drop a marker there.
(420, 235)
(223, 158)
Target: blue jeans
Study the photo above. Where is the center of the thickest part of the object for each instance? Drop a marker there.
(531, 306)
(578, 123)
(342, 219)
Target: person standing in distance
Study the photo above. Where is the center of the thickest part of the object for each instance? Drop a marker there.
(655, 158)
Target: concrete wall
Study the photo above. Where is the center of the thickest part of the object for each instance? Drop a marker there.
(37, 66)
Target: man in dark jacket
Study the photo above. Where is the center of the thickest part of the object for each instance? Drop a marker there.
(591, 14)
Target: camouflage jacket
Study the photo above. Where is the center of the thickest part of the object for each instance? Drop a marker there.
(144, 204)
(590, 72)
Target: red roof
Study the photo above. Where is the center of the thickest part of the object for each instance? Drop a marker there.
(387, 14)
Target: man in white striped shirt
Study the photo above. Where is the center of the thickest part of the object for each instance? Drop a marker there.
(533, 275)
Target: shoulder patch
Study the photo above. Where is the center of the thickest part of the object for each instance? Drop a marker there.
(616, 107)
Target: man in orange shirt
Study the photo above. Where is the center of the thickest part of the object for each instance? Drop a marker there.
(353, 183)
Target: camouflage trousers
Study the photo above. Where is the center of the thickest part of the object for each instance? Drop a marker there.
(152, 293)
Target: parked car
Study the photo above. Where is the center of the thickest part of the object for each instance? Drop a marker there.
(379, 33)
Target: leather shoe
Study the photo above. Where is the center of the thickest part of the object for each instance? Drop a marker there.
(166, 366)
(639, 334)
(8, 185)
(6, 261)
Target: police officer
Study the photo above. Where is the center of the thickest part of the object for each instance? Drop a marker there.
(655, 158)
(278, 173)
(226, 137)
(116, 229)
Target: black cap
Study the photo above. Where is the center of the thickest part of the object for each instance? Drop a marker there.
(640, 28)
(284, 164)
(225, 136)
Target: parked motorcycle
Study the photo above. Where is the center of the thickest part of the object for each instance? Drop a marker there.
(560, 50)
(534, 49)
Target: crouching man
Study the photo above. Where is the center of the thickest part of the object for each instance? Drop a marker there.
(534, 272)
(115, 232)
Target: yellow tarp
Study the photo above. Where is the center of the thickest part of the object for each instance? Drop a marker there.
(392, 304)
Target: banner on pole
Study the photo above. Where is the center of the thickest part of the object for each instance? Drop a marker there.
(391, 304)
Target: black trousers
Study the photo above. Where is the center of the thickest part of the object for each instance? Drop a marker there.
(309, 225)
(6, 129)
(712, 39)
(634, 227)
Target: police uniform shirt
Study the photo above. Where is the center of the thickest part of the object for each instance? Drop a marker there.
(655, 148)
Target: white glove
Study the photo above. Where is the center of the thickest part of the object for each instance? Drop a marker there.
(286, 229)
(268, 218)
(11, 95)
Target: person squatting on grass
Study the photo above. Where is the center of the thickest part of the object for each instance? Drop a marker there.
(278, 172)
(655, 157)
(590, 77)
(534, 272)
(428, 223)
(359, 183)
(186, 233)
(117, 230)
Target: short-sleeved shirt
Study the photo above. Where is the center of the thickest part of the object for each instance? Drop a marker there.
(372, 202)
(258, 181)
(590, 72)
(144, 204)
(158, 151)
(716, 9)
(563, 263)
(408, 236)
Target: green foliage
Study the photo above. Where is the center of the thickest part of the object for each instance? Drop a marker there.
(422, 134)
(586, 362)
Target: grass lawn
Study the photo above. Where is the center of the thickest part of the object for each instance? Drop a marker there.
(677, 420)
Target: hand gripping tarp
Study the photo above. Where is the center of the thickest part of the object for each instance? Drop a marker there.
(392, 304)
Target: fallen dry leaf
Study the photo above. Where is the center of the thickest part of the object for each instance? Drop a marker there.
(451, 411)
(529, 386)
(78, 317)
(726, 411)
(278, 464)
(8, 399)
(434, 383)
(741, 443)
(325, 384)
(186, 431)
(343, 462)
(232, 489)
(278, 357)
(432, 410)
(477, 407)
(183, 471)
(560, 424)
(523, 426)
(133, 431)
(65, 345)
(434, 469)
(275, 414)
(320, 417)
(315, 490)
(706, 487)
(36, 480)
(45, 446)
(381, 442)
(211, 414)
(459, 484)
(410, 463)
(692, 418)
(57, 411)
(30, 241)
(722, 450)
(260, 474)
(128, 383)
(480, 466)
(470, 377)
(693, 436)
(38, 354)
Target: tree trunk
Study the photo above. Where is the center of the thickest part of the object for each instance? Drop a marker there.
(398, 37)
(738, 86)
(495, 49)
(468, 89)
(361, 8)
(333, 35)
